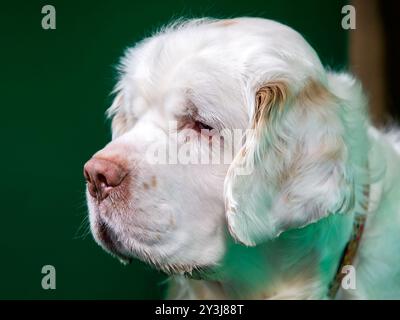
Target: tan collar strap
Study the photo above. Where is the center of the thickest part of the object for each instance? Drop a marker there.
(350, 250)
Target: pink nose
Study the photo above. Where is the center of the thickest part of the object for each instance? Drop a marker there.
(102, 176)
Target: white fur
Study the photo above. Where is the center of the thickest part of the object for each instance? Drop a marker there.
(311, 162)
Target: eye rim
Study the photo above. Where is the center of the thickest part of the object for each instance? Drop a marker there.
(200, 125)
(195, 124)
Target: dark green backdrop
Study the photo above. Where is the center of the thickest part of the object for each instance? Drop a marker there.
(55, 88)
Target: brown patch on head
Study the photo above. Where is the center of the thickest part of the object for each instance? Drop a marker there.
(145, 186)
(315, 93)
(273, 94)
(226, 22)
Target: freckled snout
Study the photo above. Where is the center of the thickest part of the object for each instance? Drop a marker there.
(102, 176)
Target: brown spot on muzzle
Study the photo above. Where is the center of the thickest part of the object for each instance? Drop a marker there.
(154, 181)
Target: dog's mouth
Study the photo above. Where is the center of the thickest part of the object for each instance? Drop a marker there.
(203, 273)
(110, 241)
(106, 236)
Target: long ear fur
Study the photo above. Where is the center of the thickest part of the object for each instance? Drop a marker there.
(300, 162)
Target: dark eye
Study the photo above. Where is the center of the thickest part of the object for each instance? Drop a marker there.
(198, 125)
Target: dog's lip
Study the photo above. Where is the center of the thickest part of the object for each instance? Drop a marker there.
(109, 239)
(103, 202)
(202, 272)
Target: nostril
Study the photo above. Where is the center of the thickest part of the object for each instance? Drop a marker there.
(102, 179)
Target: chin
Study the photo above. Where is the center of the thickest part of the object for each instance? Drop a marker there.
(159, 247)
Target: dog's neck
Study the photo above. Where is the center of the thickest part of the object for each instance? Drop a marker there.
(299, 264)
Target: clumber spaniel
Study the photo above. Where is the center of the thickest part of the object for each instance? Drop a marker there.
(301, 167)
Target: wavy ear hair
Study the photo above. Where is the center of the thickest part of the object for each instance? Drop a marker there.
(295, 166)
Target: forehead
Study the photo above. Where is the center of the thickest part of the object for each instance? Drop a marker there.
(173, 70)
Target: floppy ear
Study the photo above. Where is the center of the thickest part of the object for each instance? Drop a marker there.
(295, 166)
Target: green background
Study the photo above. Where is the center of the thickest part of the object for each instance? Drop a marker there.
(55, 87)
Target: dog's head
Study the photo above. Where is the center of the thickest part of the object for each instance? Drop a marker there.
(222, 125)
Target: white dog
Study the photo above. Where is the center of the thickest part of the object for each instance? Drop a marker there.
(276, 221)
